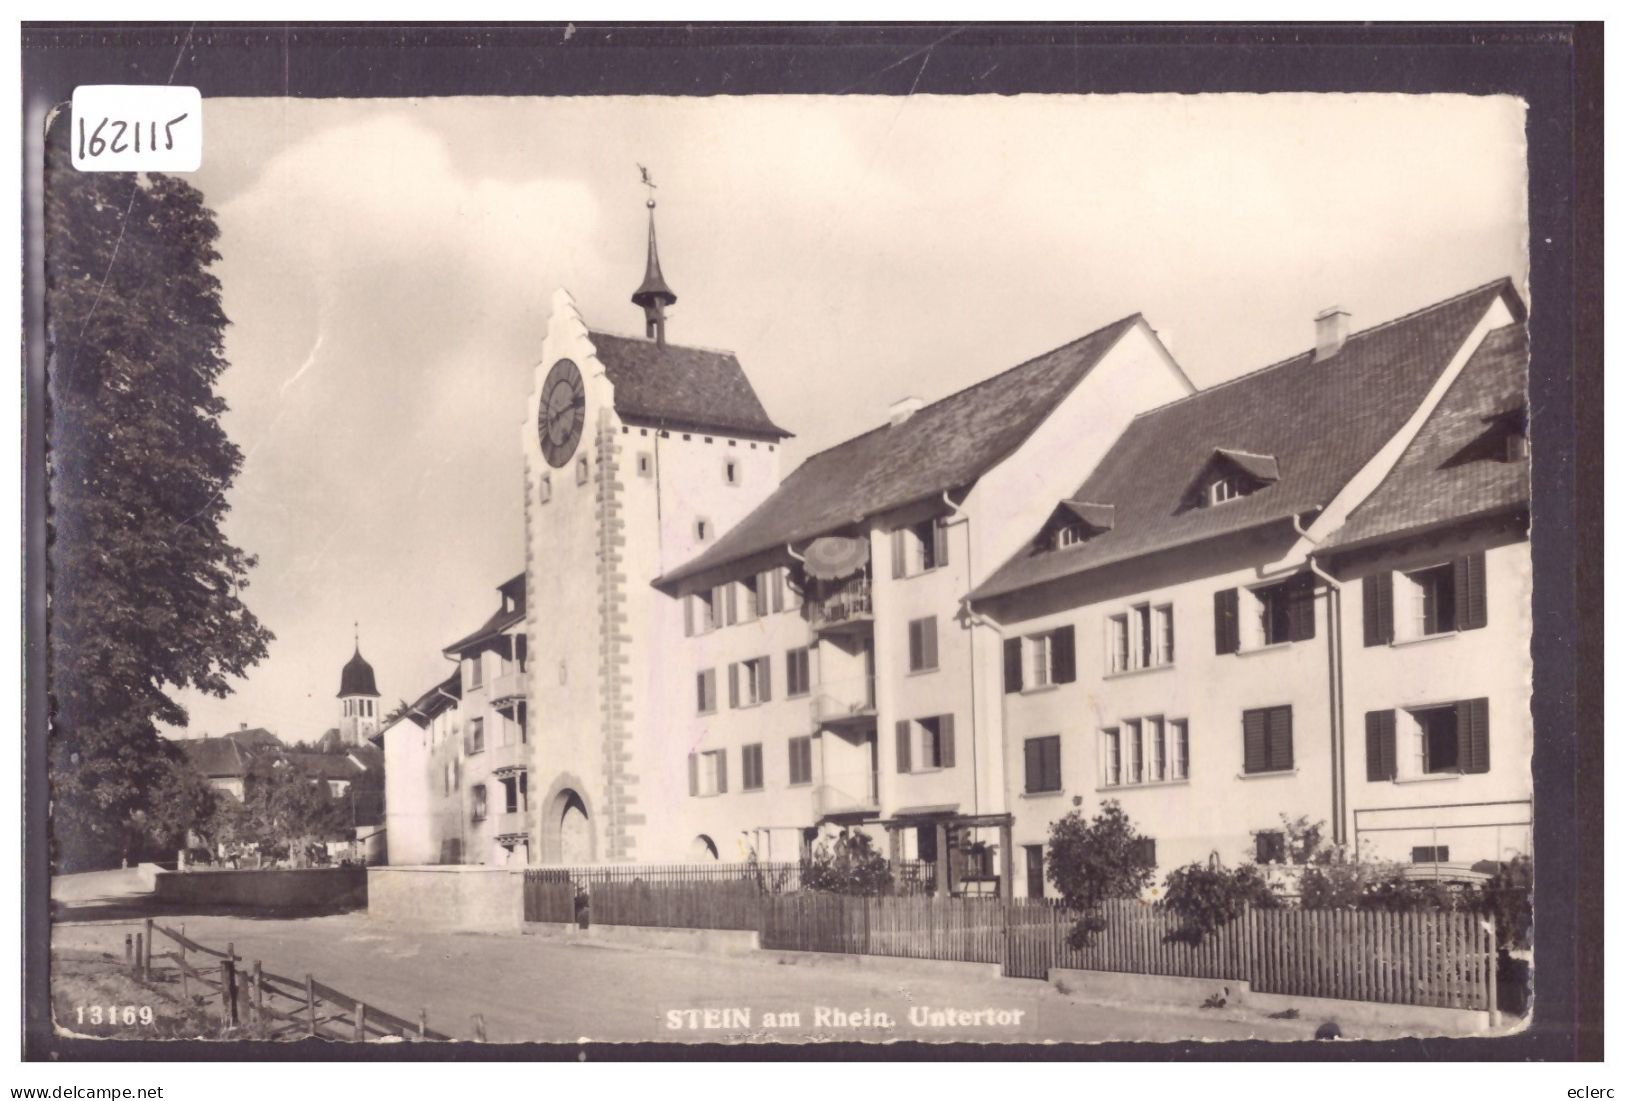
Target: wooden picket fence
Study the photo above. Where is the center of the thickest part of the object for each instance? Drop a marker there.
(258, 1004)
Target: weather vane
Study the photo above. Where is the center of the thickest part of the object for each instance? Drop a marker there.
(650, 184)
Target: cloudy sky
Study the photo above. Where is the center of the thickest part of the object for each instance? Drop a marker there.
(387, 265)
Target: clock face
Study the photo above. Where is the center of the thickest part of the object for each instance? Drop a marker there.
(563, 411)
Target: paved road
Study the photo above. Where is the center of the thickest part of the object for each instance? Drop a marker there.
(531, 988)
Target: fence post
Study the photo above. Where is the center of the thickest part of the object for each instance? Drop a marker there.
(360, 1020)
(423, 1024)
(310, 1001)
(256, 998)
(228, 994)
(146, 959)
(1492, 975)
(186, 992)
(137, 968)
(129, 951)
(479, 1027)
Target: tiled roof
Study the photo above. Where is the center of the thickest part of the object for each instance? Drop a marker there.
(670, 385)
(327, 766)
(216, 757)
(1321, 422)
(434, 701)
(945, 445)
(488, 631)
(1455, 468)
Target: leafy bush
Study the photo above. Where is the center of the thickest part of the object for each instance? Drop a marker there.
(1507, 897)
(1206, 899)
(848, 865)
(1091, 861)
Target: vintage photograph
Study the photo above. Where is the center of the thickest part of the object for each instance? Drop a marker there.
(794, 568)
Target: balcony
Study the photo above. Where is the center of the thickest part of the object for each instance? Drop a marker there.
(847, 793)
(848, 608)
(847, 702)
(506, 758)
(508, 690)
(509, 824)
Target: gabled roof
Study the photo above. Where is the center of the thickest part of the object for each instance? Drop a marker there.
(255, 737)
(435, 700)
(1455, 467)
(948, 444)
(668, 385)
(1263, 468)
(1321, 420)
(217, 758)
(489, 631)
(326, 766)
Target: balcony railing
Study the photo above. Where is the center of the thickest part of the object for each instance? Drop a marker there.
(508, 689)
(849, 700)
(849, 605)
(508, 823)
(847, 794)
(516, 754)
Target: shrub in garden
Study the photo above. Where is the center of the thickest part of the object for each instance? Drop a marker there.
(848, 865)
(1205, 899)
(1091, 860)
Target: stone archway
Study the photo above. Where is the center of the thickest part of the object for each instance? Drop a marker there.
(573, 831)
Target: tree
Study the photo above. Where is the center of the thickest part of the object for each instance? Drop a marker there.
(181, 802)
(145, 589)
(286, 812)
(1208, 897)
(1092, 861)
(848, 865)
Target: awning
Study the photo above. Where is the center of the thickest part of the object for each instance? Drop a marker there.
(832, 557)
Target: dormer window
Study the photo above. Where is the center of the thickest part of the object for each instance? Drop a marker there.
(1229, 474)
(1227, 488)
(1074, 522)
(1070, 535)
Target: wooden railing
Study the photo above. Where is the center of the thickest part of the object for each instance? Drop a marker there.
(254, 1003)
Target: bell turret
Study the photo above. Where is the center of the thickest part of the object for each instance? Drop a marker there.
(654, 296)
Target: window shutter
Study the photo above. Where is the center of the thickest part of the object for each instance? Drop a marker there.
(688, 615)
(732, 598)
(899, 554)
(699, 692)
(1050, 754)
(693, 773)
(1063, 656)
(722, 771)
(778, 590)
(1377, 592)
(733, 684)
(1280, 723)
(1301, 609)
(915, 645)
(1473, 734)
(1012, 665)
(928, 639)
(1470, 610)
(945, 725)
(1379, 745)
(719, 606)
(1226, 628)
(939, 535)
(902, 745)
(766, 682)
(1035, 765)
(1253, 741)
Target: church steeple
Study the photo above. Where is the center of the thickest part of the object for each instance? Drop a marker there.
(358, 698)
(654, 296)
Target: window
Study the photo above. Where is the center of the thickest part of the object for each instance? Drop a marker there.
(1267, 739)
(1272, 609)
(476, 735)
(1111, 757)
(1134, 745)
(1436, 740)
(646, 465)
(1430, 854)
(730, 471)
(705, 685)
(1446, 738)
(544, 490)
(1143, 850)
(476, 671)
(922, 644)
(1434, 600)
(1035, 870)
(1269, 847)
(708, 772)
(750, 766)
(1156, 749)
(449, 779)
(515, 797)
(924, 745)
(797, 671)
(1070, 535)
(1179, 750)
(750, 682)
(702, 529)
(700, 612)
(801, 760)
(1283, 612)
(1162, 647)
(1043, 760)
(478, 797)
(1117, 642)
(581, 471)
(1225, 488)
(1140, 630)
(919, 548)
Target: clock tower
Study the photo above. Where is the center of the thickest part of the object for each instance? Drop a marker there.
(638, 454)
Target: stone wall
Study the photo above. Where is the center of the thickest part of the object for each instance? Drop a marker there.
(469, 897)
(272, 889)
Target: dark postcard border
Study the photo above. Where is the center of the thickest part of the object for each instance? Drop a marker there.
(1557, 68)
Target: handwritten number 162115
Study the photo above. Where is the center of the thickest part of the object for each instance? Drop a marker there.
(123, 136)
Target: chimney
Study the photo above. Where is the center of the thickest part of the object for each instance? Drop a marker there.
(1331, 330)
(905, 408)
(242, 726)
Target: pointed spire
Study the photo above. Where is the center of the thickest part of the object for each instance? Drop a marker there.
(654, 295)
